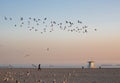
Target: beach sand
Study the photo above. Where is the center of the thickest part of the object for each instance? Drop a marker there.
(59, 75)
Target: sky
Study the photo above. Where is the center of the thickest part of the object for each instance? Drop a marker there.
(21, 46)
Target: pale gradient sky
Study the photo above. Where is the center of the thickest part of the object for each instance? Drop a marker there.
(102, 46)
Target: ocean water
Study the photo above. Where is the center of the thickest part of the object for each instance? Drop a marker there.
(56, 66)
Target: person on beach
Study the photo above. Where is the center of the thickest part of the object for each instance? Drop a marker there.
(39, 68)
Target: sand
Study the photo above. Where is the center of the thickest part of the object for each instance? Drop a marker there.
(59, 75)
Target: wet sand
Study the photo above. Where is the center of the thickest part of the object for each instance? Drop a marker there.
(59, 75)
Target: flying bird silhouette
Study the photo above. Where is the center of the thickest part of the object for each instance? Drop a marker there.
(10, 18)
(95, 29)
(5, 18)
(79, 21)
(21, 18)
(27, 55)
(45, 18)
(48, 49)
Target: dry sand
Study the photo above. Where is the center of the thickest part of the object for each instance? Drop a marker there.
(59, 75)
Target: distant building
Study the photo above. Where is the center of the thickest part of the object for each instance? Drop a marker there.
(91, 64)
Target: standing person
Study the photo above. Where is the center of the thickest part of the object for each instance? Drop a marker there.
(39, 68)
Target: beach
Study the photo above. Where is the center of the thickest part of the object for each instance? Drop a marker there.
(59, 75)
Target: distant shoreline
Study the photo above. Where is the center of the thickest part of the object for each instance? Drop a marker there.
(56, 66)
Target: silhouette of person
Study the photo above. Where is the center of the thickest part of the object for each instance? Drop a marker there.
(39, 68)
(82, 67)
(99, 67)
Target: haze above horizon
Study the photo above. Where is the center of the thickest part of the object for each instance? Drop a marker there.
(21, 45)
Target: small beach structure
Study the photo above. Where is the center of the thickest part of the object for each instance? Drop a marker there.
(91, 64)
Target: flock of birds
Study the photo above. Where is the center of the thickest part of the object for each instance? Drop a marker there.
(44, 25)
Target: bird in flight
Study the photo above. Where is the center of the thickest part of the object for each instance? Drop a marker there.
(48, 49)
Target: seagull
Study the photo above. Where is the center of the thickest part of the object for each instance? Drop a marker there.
(36, 30)
(60, 23)
(70, 23)
(86, 30)
(5, 18)
(34, 19)
(71, 30)
(10, 18)
(38, 19)
(37, 24)
(66, 21)
(61, 27)
(28, 22)
(95, 29)
(41, 32)
(65, 27)
(86, 26)
(21, 18)
(45, 18)
(44, 29)
(29, 18)
(22, 23)
(47, 49)
(83, 27)
(51, 25)
(15, 25)
(27, 55)
(30, 29)
(54, 22)
(79, 21)
(43, 22)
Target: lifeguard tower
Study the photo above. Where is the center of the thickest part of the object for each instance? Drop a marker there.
(91, 64)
